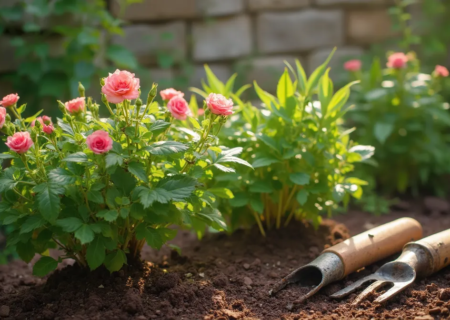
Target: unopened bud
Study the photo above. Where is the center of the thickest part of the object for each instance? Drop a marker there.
(8, 118)
(138, 104)
(37, 124)
(167, 116)
(102, 81)
(62, 107)
(152, 93)
(81, 90)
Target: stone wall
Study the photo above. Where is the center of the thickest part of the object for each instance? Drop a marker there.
(252, 37)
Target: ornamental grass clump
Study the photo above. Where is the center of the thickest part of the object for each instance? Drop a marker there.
(400, 111)
(301, 155)
(100, 188)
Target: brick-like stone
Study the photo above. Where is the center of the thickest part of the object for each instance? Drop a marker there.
(220, 7)
(7, 60)
(347, 2)
(222, 38)
(145, 41)
(297, 31)
(157, 10)
(266, 71)
(257, 5)
(368, 26)
(342, 54)
(222, 72)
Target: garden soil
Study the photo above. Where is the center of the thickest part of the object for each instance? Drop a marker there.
(225, 277)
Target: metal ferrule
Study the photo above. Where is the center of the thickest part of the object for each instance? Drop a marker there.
(326, 268)
(419, 257)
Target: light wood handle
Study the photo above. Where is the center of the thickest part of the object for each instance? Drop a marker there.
(439, 246)
(376, 244)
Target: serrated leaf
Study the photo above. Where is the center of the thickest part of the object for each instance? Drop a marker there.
(25, 251)
(79, 157)
(32, 223)
(366, 152)
(48, 200)
(222, 193)
(224, 168)
(138, 170)
(302, 196)
(299, 178)
(95, 253)
(113, 159)
(108, 215)
(85, 234)
(261, 187)
(179, 188)
(257, 205)
(61, 176)
(115, 260)
(155, 238)
(44, 266)
(268, 141)
(69, 224)
(264, 162)
(163, 148)
(95, 196)
(148, 196)
(382, 131)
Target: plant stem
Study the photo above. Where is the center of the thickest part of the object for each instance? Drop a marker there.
(258, 221)
(280, 205)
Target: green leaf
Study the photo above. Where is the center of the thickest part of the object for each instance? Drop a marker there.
(48, 200)
(61, 176)
(366, 152)
(214, 83)
(155, 238)
(163, 148)
(268, 141)
(229, 156)
(285, 87)
(69, 224)
(32, 223)
(382, 131)
(213, 218)
(124, 181)
(301, 76)
(240, 199)
(222, 193)
(25, 251)
(224, 168)
(113, 159)
(111, 196)
(138, 170)
(108, 215)
(44, 266)
(265, 97)
(159, 126)
(264, 162)
(257, 205)
(85, 234)
(340, 98)
(179, 188)
(95, 253)
(148, 196)
(5, 156)
(95, 196)
(121, 57)
(316, 75)
(115, 260)
(299, 178)
(80, 157)
(261, 187)
(302, 196)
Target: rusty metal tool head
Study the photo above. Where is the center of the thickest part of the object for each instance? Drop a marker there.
(352, 254)
(418, 259)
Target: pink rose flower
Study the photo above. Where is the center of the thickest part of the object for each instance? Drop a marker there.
(46, 122)
(179, 108)
(76, 105)
(441, 71)
(2, 117)
(200, 112)
(397, 60)
(353, 65)
(121, 85)
(168, 94)
(20, 142)
(99, 142)
(10, 100)
(220, 105)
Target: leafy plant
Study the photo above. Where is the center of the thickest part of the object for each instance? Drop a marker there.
(400, 111)
(300, 154)
(99, 188)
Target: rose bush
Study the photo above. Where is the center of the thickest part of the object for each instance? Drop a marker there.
(400, 111)
(100, 188)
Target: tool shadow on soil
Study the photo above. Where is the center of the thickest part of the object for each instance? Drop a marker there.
(221, 277)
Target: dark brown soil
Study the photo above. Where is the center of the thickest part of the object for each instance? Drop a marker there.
(222, 277)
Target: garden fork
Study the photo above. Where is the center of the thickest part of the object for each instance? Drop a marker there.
(352, 254)
(418, 259)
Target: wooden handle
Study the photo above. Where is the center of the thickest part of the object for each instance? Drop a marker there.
(439, 246)
(376, 244)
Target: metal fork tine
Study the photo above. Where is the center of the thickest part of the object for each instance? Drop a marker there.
(370, 289)
(391, 292)
(351, 288)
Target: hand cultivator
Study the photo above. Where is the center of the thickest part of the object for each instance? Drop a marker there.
(353, 254)
(418, 259)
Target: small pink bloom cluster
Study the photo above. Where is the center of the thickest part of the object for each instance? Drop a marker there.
(441, 71)
(353, 65)
(397, 60)
(46, 122)
(168, 94)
